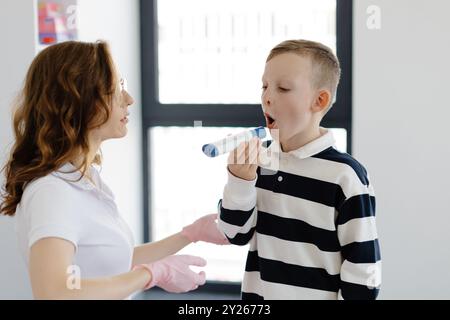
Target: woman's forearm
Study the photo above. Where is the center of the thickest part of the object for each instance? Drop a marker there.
(157, 250)
(112, 288)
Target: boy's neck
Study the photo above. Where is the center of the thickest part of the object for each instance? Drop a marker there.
(301, 139)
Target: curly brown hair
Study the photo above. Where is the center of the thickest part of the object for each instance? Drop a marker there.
(67, 92)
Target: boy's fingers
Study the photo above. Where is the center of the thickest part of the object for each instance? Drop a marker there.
(253, 158)
(246, 153)
(232, 158)
(241, 151)
(242, 158)
(253, 152)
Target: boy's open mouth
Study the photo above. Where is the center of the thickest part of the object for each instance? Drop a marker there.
(271, 123)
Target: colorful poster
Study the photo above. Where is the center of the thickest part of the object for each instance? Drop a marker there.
(57, 21)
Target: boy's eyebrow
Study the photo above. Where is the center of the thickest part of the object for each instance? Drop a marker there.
(284, 81)
(281, 81)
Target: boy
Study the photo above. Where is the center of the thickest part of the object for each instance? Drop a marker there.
(311, 223)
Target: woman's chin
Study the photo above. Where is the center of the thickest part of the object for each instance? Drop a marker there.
(123, 130)
(124, 134)
(121, 133)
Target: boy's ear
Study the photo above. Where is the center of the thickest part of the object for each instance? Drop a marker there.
(322, 101)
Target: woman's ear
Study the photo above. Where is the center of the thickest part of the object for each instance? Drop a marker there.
(322, 101)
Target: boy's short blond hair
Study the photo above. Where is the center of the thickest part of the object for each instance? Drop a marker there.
(325, 64)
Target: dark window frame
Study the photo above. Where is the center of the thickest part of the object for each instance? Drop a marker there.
(218, 115)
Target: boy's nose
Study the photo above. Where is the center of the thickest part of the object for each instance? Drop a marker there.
(266, 99)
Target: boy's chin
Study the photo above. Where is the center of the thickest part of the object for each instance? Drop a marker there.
(283, 138)
(279, 136)
(275, 133)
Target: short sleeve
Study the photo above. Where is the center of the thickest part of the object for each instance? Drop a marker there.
(51, 211)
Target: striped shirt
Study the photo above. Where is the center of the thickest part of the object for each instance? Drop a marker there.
(310, 224)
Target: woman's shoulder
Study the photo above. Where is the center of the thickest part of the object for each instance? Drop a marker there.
(44, 193)
(49, 184)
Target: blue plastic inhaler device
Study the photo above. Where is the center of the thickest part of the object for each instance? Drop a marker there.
(230, 143)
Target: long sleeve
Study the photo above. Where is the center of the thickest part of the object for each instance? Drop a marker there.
(238, 213)
(361, 268)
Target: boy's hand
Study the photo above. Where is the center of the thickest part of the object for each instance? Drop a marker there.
(243, 161)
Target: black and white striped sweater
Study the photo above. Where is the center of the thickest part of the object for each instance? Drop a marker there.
(311, 226)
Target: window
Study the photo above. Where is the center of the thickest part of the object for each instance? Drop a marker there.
(221, 46)
(202, 61)
(186, 184)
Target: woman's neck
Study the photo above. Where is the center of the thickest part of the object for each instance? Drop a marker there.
(78, 161)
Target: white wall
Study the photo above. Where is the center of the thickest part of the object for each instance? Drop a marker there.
(401, 111)
(116, 21)
(17, 52)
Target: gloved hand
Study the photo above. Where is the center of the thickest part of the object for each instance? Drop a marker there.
(173, 273)
(205, 229)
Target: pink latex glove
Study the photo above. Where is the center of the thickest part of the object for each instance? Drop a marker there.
(173, 273)
(205, 229)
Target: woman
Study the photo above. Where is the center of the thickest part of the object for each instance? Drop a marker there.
(73, 239)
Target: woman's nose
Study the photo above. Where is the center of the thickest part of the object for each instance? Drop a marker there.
(128, 99)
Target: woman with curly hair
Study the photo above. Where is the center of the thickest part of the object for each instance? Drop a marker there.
(74, 241)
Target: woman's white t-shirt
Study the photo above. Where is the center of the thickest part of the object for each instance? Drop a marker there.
(59, 206)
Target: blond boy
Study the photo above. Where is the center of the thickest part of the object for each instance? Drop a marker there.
(311, 224)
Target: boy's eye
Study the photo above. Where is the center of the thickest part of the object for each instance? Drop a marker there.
(283, 89)
(264, 87)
